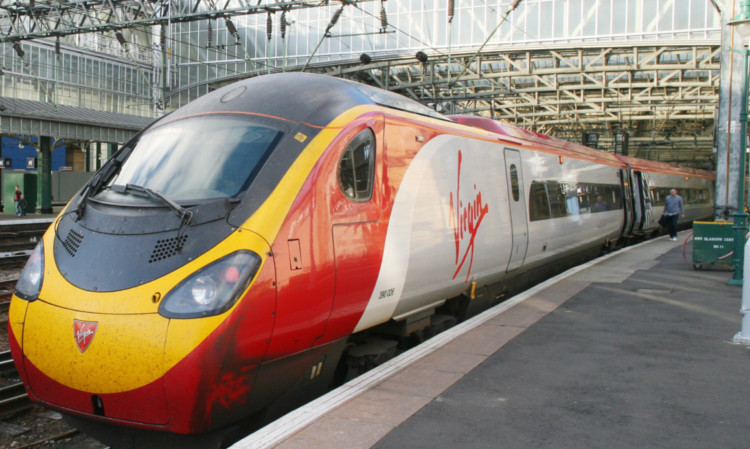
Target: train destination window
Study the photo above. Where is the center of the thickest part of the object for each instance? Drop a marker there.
(514, 182)
(357, 167)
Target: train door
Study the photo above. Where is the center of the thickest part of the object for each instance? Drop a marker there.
(643, 200)
(358, 233)
(638, 201)
(625, 183)
(517, 205)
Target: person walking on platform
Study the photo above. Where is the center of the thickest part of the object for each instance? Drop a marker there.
(673, 210)
(20, 202)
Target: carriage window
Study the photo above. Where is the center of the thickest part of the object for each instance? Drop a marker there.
(514, 182)
(538, 202)
(357, 167)
(557, 194)
(555, 199)
(659, 195)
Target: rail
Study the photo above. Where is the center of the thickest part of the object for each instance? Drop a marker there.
(18, 239)
(13, 398)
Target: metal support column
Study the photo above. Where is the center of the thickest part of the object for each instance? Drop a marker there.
(740, 216)
(741, 23)
(743, 336)
(44, 177)
(87, 159)
(727, 124)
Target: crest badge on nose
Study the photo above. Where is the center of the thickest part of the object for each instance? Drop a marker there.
(83, 332)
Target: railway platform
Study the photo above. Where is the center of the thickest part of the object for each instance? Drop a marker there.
(631, 350)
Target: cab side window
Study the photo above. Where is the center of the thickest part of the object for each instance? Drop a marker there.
(357, 167)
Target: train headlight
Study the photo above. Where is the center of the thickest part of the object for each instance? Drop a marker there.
(213, 289)
(29, 284)
(203, 290)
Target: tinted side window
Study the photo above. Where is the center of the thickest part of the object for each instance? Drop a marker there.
(357, 167)
(538, 203)
(659, 195)
(514, 182)
(557, 197)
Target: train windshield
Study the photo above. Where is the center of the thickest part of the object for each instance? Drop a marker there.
(199, 158)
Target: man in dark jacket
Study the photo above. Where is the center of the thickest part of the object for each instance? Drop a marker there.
(673, 210)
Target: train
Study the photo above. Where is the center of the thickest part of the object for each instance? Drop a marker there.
(286, 232)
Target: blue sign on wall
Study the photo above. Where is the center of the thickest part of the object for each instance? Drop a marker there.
(19, 154)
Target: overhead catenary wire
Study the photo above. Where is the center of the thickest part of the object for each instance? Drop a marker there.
(125, 45)
(331, 24)
(22, 55)
(513, 6)
(269, 33)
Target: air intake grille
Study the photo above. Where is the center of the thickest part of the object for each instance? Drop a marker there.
(166, 248)
(72, 242)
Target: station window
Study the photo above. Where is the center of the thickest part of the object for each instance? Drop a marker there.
(357, 167)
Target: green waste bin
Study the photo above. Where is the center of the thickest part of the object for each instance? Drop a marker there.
(713, 243)
(27, 182)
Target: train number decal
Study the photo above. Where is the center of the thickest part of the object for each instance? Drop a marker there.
(387, 293)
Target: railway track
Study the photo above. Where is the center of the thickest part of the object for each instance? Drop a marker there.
(18, 239)
(13, 398)
(6, 292)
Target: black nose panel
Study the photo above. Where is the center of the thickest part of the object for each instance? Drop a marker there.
(123, 252)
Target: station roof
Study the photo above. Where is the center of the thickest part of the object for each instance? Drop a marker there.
(35, 118)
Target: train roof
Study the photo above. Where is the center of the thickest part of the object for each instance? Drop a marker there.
(316, 100)
(569, 149)
(300, 97)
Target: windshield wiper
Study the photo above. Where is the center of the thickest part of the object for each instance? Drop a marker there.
(185, 215)
(110, 168)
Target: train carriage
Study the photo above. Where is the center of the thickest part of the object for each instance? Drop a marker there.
(250, 249)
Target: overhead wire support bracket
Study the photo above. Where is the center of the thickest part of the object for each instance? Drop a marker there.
(238, 41)
(512, 7)
(126, 46)
(331, 24)
(21, 54)
(67, 17)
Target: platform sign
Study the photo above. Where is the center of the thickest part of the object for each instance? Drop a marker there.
(713, 242)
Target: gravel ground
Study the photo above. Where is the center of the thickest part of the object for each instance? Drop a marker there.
(43, 428)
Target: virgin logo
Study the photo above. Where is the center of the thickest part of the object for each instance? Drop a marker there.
(465, 217)
(83, 332)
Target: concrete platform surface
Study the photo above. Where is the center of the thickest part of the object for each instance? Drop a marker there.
(631, 351)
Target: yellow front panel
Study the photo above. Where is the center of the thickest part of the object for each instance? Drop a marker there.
(16, 317)
(126, 352)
